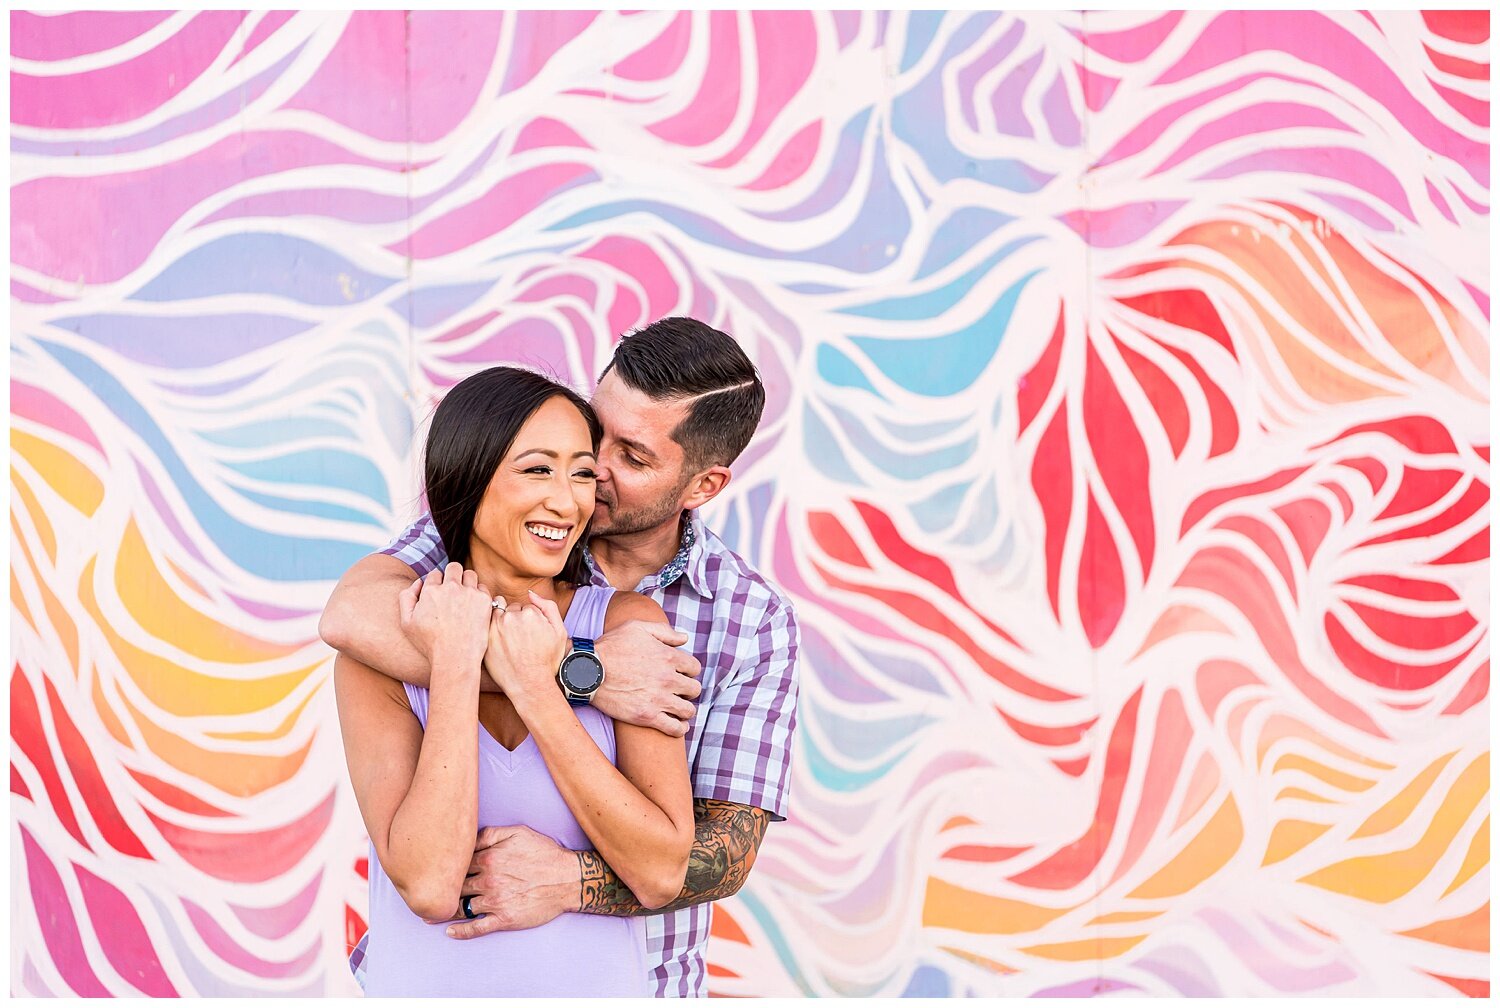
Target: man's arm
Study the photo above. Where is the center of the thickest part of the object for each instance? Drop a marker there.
(726, 839)
(520, 879)
(648, 679)
(362, 620)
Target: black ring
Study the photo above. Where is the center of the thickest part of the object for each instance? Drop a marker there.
(468, 910)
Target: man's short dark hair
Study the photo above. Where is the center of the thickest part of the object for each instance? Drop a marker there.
(684, 359)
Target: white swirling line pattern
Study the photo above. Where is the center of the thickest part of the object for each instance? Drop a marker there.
(1126, 456)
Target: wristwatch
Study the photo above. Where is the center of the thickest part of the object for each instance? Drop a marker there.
(581, 672)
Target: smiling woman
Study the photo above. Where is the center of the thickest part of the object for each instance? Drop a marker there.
(500, 438)
(510, 479)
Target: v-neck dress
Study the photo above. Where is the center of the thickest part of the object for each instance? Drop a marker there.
(575, 955)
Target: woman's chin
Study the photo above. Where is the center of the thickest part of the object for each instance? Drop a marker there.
(546, 566)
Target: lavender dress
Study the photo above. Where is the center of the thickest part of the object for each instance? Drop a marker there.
(575, 955)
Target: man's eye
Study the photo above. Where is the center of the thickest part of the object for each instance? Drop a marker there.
(637, 463)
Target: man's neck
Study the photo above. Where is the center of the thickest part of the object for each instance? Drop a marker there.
(626, 559)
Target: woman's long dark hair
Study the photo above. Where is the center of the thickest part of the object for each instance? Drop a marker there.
(472, 430)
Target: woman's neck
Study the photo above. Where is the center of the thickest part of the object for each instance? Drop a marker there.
(501, 579)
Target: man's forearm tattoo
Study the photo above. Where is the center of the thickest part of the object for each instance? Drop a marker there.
(725, 840)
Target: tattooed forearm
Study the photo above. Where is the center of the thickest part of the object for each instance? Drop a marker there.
(726, 838)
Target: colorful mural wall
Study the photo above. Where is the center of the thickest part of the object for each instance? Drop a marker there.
(1127, 459)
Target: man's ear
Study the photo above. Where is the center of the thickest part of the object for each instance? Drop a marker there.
(706, 486)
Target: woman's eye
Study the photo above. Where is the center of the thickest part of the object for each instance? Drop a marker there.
(544, 470)
(587, 474)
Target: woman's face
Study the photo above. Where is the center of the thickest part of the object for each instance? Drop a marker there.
(541, 497)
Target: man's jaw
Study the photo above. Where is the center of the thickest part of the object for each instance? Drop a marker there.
(595, 523)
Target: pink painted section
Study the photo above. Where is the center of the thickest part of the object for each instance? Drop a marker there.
(535, 40)
(1130, 45)
(280, 920)
(661, 56)
(78, 33)
(353, 205)
(249, 856)
(548, 133)
(127, 946)
(1314, 39)
(496, 210)
(638, 260)
(1263, 119)
(1328, 162)
(136, 208)
(124, 91)
(59, 925)
(401, 76)
(371, 51)
(451, 55)
(785, 53)
(717, 95)
(227, 949)
(30, 295)
(45, 408)
(263, 30)
(1113, 227)
(793, 161)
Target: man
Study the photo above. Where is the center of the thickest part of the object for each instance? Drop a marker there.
(678, 403)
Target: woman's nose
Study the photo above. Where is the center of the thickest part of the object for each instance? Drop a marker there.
(560, 497)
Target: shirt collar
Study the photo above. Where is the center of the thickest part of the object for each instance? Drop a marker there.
(690, 561)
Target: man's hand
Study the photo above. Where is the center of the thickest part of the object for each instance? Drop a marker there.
(519, 879)
(648, 680)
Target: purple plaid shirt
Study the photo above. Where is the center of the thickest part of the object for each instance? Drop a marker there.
(740, 740)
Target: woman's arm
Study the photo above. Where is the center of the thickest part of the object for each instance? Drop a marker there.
(418, 791)
(638, 814)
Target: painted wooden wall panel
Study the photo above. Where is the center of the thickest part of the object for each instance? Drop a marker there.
(1126, 456)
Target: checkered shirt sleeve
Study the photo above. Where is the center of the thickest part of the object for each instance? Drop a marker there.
(746, 735)
(419, 546)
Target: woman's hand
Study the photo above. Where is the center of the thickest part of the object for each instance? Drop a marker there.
(526, 644)
(446, 616)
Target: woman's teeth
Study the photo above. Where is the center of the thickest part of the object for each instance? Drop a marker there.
(548, 532)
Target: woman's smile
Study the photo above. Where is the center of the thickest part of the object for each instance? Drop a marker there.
(551, 535)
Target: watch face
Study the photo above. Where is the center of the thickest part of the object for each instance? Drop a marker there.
(582, 672)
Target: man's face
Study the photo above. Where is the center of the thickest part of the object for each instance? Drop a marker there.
(641, 469)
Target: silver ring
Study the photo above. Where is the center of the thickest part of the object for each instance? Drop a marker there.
(498, 604)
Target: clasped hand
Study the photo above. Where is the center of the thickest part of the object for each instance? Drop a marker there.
(447, 614)
(527, 641)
